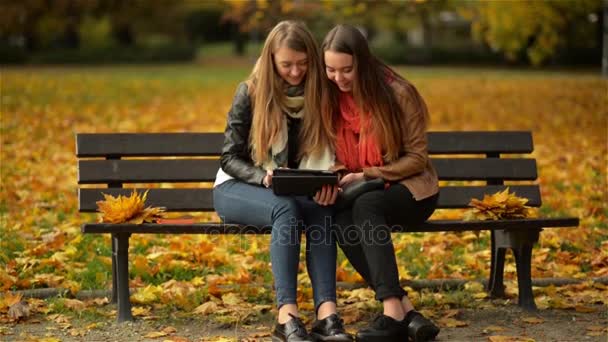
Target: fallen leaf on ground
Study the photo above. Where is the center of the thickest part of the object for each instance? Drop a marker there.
(141, 311)
(533, 320)
(493, 328)
(74, 304)
(100, 301)
(206, 308)
(156, 334)
(452, 323)
(93, 325)
(169, 330)
(231, 299)
(19, 310)
(500, 338)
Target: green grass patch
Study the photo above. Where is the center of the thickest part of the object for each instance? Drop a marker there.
(96, 275)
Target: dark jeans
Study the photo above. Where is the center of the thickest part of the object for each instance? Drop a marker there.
(239, 202)
(364, 234)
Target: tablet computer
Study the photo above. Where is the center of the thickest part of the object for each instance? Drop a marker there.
(301, 182)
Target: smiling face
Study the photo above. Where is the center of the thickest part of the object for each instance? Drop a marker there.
(340, 70)
(291, 65)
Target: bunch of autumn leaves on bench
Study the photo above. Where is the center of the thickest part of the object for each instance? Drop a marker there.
(128, 209)
(131, 209)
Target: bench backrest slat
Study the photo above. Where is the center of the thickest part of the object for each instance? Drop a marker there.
(201, 199)
(210, 144)
(180, 162)
(143, 171)
(204, 170)
(148, 144)
(480, 142)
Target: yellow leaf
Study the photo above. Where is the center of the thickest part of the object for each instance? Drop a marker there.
(93, 325)
(197, 281)
(156, 334)
(493, 328)
(500, 338)
(147, 295)
(130, 209)
(169, 330)
(231, 299)
(501, 205)
(141, 311)
(206, 308)
(533, 320)
(10, 298)
(74, 304)
(452, 323)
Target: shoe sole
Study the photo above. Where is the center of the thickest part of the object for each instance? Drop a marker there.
(344, 338)
(402, 338)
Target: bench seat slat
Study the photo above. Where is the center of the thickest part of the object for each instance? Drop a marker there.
(200, 199)
(429, 226)
(209, 144)
(204, 170)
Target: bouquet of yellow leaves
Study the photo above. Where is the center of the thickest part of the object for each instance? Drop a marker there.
(501, 205)
(123, 209)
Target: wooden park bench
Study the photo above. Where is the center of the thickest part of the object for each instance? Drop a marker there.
(106, 159)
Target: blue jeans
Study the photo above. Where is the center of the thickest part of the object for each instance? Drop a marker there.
(242, 203)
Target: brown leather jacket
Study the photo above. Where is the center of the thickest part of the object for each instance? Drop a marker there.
(413, 169)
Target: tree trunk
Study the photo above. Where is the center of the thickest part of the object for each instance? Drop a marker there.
(239, 43)
(123, 33)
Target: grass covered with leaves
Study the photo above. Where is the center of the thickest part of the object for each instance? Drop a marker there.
(40, 240)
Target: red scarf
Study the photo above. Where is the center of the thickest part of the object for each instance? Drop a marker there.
(354, 150)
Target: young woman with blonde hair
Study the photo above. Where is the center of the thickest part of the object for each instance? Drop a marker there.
(378, 121)
(273, 123)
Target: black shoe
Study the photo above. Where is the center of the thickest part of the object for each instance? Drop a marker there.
(292, 331)
(330, 328)
(420, 328)
(384, 329)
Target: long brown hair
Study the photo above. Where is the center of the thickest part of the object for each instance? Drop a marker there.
(267, 92)
(371, 89)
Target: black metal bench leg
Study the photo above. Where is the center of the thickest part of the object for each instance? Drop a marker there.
(496, 286)
(121, 240)
(521, 242)
(114, 298)
(523, 262)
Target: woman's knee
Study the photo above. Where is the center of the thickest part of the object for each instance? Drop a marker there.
(286, 208)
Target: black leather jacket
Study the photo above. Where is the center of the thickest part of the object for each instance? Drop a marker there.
(236, 159)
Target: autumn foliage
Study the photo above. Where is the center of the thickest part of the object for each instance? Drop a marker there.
(41, 245)
(498, 206)
(123, 209)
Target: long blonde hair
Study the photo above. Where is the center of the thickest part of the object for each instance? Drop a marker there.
(267, 90)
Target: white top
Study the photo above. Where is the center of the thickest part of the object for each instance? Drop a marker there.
(325, 161)
(221, 177)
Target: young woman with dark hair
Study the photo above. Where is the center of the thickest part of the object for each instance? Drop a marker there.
(378, 123)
